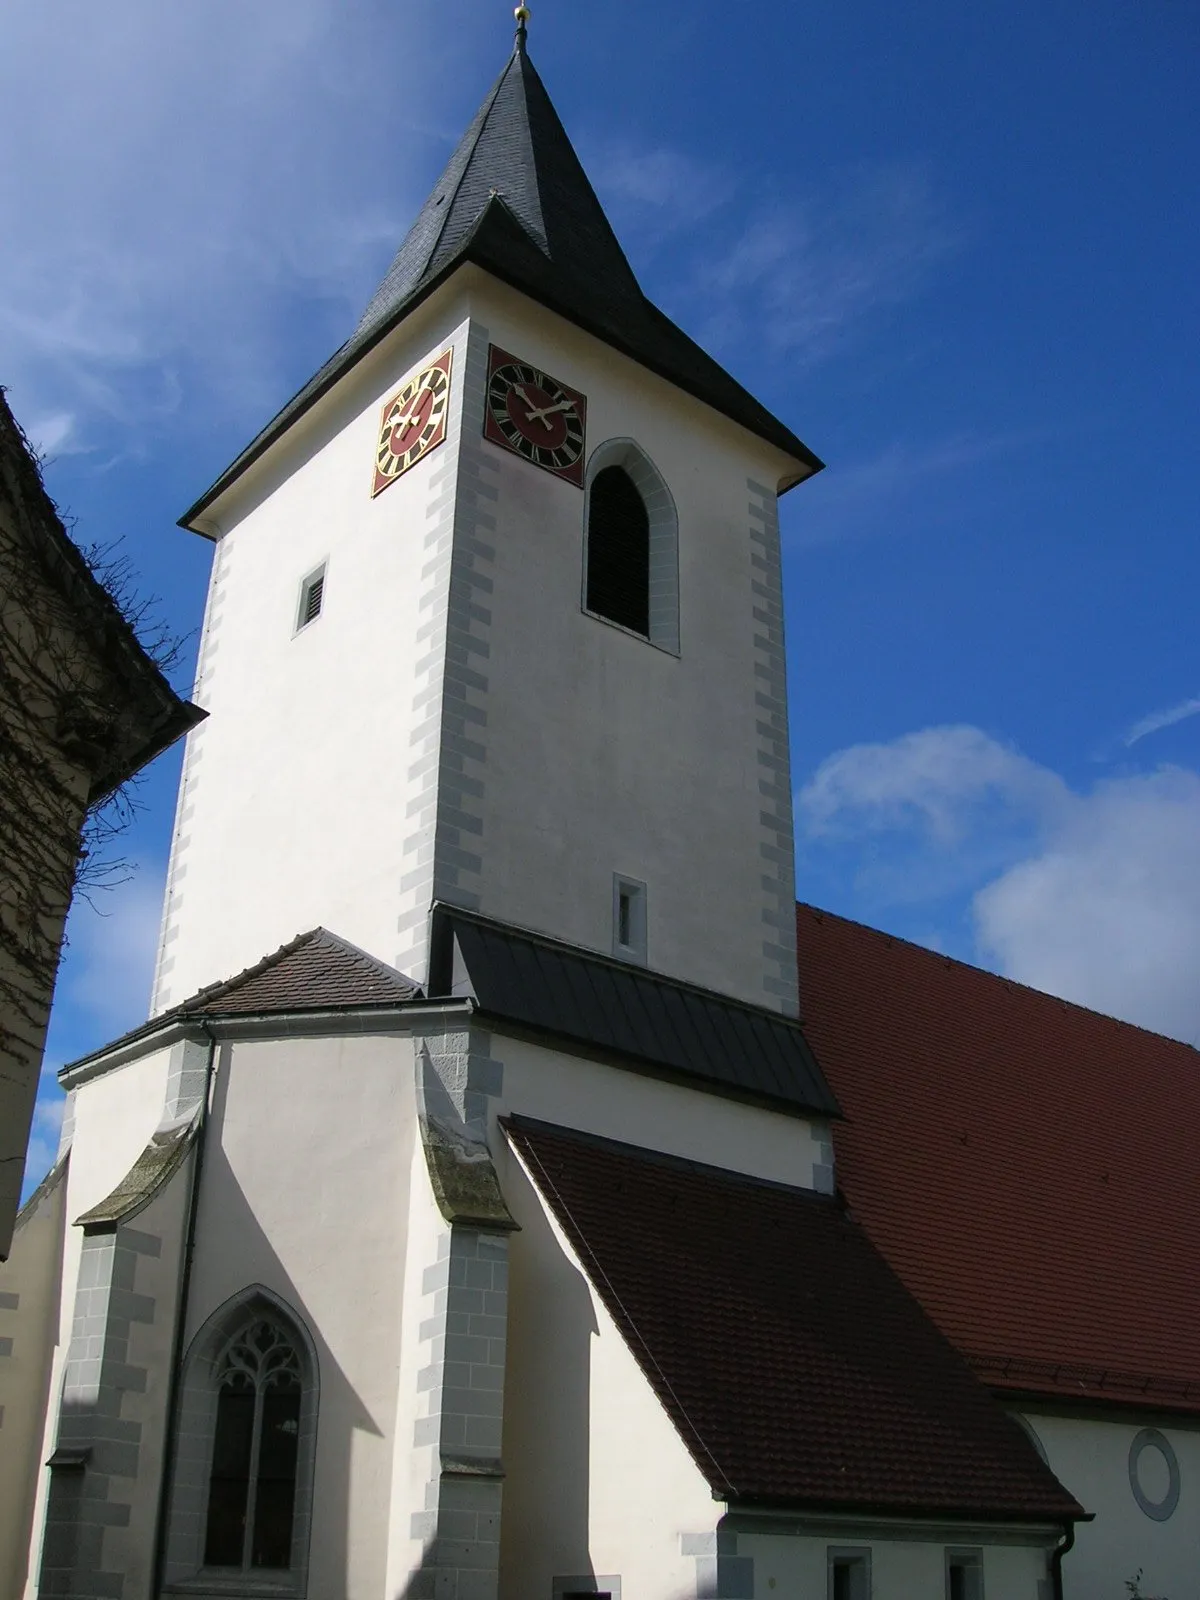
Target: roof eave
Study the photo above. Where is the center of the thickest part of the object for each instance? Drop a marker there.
(808, 464)
(294, 1024)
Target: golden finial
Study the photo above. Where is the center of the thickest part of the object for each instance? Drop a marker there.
(522, 15)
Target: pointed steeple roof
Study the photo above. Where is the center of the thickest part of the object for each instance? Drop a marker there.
(515, 200)
(517, 151)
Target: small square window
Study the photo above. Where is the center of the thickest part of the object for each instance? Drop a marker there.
(312, 594)
(964, 1575)
(629, 919)
(849, 1574)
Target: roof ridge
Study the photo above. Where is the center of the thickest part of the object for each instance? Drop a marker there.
(211, 991)
(996, 977)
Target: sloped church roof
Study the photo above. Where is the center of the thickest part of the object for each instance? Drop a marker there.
(515, 200)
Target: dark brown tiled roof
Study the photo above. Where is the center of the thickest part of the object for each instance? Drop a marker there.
(796, 1367)
(317, 971)
(1027, 1166)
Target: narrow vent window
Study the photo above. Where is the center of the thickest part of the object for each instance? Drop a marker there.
(312, 593)
(629, 919)
(849, 1575)
(964, 1575)
(618, 551)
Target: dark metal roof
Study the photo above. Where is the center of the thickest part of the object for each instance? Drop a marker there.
(795, 1366)
(662, 1023)
(515, 200)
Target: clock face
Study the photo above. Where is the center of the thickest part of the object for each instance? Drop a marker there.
(413, 422)
(535, 416)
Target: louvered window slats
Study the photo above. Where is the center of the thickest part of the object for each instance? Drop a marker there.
(618, 567)
(312, 600)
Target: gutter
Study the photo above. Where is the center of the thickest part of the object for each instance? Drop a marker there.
(1062, 1549)
(355, 1020)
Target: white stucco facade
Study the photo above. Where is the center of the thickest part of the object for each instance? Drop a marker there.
(1140, 1477)
(454, 725)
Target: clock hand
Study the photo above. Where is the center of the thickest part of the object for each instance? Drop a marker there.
(548, 411)
(411, 415)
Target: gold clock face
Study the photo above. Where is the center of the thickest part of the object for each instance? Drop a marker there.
(413, 422)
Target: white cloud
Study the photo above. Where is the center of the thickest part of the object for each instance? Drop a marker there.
(799, 272)
(1094, 896)
(1157, 720)
(44, 1135)
(183, 170)
(943, 781)
(806, 272)
(109, 964)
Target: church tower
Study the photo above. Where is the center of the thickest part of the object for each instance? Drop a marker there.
(495, 617)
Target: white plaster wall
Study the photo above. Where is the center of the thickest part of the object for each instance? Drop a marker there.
(115, 1116)
(411, 1466)
(293, 807)
(1092, 1459)
(555, 1086)
(606, 754)
(795, 1567)
(596, 752)
(597, 1479)
(29, 1289)
(305, 1190)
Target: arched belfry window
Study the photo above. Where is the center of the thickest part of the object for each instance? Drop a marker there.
(631, 545)
(252, 1483)
(245, 1450)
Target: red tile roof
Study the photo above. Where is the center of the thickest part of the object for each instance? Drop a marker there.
(1028, 1167)
(791, 1360)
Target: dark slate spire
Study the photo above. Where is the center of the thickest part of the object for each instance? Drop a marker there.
(515, 201)
(515, 150)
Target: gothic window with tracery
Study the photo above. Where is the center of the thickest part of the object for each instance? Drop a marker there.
(252, 1485)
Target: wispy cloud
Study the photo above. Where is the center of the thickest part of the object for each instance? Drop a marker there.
(743, 264)
(1162, 719)
(195, 172)
(863, 498)
(1091, 895)
(103, 989)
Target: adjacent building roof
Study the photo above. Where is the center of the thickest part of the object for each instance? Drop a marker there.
(1028, 1167)
(797, 1369)
(515, 200)
(653, 1021)
(142, 714)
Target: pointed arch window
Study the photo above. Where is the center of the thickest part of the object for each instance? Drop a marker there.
(245, 1452)
(631, 545)
(252, 1484)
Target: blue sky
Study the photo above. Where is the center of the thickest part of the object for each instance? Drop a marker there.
(954, 247)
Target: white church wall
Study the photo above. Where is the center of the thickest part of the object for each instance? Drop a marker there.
(605, 754)
(411, 1465)
(555, 1086)
(1107, 1466)
(453, 678)
(795, 1566)
(112, 1117)
(305, 1191)
(293, 810)
(597, 1481)
(29, 1291)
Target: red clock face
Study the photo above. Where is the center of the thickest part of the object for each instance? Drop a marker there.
(535, 416)
(413, 422)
